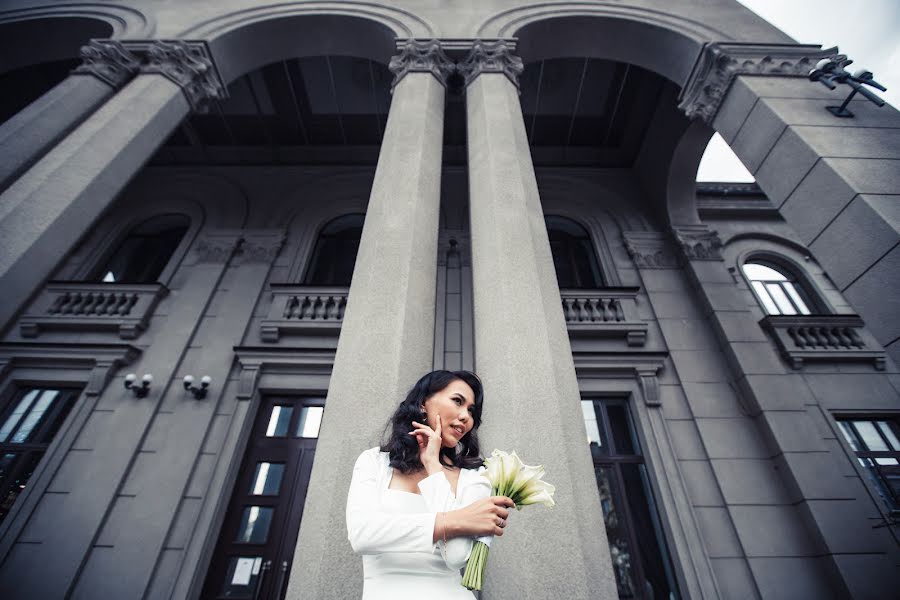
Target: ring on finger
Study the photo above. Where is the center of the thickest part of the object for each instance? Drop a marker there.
(501, 523)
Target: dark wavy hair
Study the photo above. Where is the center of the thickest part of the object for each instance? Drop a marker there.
(403, 448)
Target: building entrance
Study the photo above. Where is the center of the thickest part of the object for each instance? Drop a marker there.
(253, 556)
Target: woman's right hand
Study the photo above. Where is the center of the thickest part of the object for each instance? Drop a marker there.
(481, 518)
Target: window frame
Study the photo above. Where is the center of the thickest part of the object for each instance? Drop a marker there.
(605, 278)
(95, 274)
(866, 473)
(312, 260)
(613, 459)
(794, 274)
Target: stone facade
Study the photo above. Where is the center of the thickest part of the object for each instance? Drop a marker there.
(752, 488)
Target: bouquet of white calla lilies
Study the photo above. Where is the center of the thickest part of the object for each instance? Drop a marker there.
(522, 484)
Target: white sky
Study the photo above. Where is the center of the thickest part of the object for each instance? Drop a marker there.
(867, 31)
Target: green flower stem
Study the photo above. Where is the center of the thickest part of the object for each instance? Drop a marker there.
(473, 578)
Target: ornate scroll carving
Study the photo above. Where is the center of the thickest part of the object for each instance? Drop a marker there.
(216, 248)
(417, 56)
(650, 250)
(189, 65)
(261, 247)
(698, 242)
(109, 61)
(719, 63)
(492, 57)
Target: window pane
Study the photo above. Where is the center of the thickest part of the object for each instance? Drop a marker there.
(758, 272)
(254, 527)
(798, 301)
(870, 436)
(888, 433)
(267, 479)
(590, 423)
(764, 297)
(849, 434)
(616, 532)
(310, 420)
(777, 294)
(886, 483)
(621, 432)
(34, 416)
(18, 412)
(279, 421)
(15, 471)
(242, 577)
(658, 581)
(144, 253)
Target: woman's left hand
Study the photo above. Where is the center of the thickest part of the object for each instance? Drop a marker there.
(429, 444)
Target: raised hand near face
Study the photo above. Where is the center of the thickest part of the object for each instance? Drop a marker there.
(429, 441)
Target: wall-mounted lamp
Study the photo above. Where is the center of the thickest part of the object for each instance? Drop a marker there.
(830, 72)
(141, 390)
(198, 392)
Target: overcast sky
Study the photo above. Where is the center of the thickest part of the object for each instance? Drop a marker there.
(867, 31)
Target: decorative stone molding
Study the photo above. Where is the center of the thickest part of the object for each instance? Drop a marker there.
(420, 56)
(698, 242)
(304, 310)
(494, 56)
(217, 248)
(827, 338)
(720, 62)
(254, 361)
(90, 307)
(261, 247)
(100, 359)
(109, 61)
(650, 250)
(608, 312)
(643, 367)
(190, 66)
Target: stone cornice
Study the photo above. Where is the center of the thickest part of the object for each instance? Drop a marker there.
(421, 56)
(189, 65)
(492, 57)
(720, 62)
(109, 61)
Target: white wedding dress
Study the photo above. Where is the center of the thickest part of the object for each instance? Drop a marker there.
(393, 532)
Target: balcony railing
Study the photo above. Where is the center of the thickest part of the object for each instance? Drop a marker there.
(79, 306)
(823, 338)
(304, 310)
(606, 312)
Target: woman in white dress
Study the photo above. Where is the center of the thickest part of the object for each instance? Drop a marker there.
(418, 503)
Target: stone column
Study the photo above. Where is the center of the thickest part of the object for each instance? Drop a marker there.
(522, 352)
(834, 180)
(46, 210)
(388, 330)
(106, 67)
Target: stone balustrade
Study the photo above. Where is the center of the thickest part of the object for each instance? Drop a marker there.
(606, 312)
(831, 338)
(304, 310)
(89, 306)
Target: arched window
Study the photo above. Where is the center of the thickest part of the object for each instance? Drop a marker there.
(145, 251)
(778, 290)
(573, 254)
(335, 252)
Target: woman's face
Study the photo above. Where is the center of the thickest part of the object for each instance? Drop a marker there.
(455, 405)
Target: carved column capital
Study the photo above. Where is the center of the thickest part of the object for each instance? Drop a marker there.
(109, 61)
(492, 57)
(698, 242)
(217, 247)
(719, 63)
(650, 250)
(421, 56)
(190, 66)
(261, 246)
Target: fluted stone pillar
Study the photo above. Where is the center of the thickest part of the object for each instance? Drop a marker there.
(47, 209)
(388, 329)
(522, 352)
(106, 67)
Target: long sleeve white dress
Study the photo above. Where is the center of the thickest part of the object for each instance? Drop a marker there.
(393, 531)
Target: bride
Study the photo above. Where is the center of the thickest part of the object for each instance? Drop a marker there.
(417, 503)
